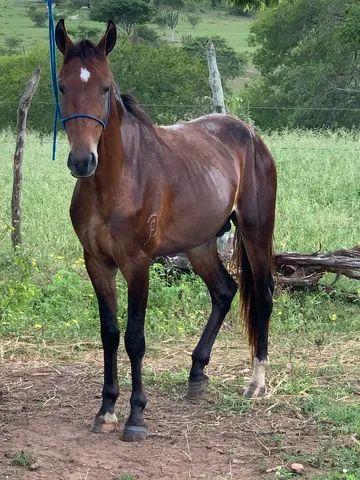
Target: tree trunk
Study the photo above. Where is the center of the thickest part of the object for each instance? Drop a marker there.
(22, 114)
(215, 80)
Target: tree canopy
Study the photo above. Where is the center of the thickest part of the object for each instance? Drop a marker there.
(231, 64)
(307, 52)
(126, 13)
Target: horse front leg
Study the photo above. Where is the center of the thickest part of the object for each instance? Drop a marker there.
(102, 273)
(137, 277)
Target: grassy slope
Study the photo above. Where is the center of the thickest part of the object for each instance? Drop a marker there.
(14, 22)
(234, 29)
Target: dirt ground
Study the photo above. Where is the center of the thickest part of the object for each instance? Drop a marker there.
(46, 409)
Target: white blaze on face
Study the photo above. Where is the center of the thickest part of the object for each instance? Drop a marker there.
(84, 74)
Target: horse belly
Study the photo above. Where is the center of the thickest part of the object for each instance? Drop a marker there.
(198, 216)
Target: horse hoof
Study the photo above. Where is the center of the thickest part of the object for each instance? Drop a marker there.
(133, 433)
(253, 390)
(197, 389)
(104, 423)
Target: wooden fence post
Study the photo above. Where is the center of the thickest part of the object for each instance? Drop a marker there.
(215, 80)
(22, 114)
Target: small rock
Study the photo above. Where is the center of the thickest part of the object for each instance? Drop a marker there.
(34, 466)
(298, 468)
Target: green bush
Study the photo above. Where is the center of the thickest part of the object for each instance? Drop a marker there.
(169, 79)
(146, 34)
(37, 15)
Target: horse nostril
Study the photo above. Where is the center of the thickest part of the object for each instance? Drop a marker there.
(83, 165)
(92, 160)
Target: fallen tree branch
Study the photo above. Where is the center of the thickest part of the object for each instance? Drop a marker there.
(295, 270)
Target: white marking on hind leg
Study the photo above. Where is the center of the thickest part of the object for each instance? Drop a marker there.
(256, 386)
(84, 74)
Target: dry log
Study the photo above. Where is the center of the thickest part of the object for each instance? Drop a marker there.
(296, 270)
(300, 270)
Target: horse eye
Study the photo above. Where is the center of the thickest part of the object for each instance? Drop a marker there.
(106, 89)
(61, 89)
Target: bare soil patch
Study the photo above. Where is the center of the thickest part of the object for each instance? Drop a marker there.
(46, 409)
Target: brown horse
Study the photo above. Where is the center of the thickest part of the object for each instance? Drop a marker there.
(146, 191)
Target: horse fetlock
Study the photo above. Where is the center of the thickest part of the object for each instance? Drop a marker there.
(104, 423)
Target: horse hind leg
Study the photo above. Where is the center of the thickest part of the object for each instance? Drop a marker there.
(257, 288)
(222, 288)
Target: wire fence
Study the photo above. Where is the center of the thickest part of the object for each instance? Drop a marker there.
(194, 105)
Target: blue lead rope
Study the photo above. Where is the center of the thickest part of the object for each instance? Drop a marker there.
(57, 115)
(53, 69)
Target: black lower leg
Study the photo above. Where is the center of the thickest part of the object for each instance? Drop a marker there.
(110, 335)
(135, 427)
(263, 304)
(135, 347)
(222, 289)
(102, 274)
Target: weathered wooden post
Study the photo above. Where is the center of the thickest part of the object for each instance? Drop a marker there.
(22, 114)
(215, 80)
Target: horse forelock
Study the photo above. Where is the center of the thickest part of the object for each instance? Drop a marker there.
(85, 50)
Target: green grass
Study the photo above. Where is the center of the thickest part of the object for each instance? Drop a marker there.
(47, 300)
(23, 459)
(234, 29)
(45, 287)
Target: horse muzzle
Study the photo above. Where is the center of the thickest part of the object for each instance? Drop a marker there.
(82, 166)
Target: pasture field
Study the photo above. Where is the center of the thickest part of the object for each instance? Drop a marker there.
(14, 22)
(51, 358)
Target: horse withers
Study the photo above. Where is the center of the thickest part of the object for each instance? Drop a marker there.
(145, 191)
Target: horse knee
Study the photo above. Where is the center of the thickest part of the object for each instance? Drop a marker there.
(134, 345)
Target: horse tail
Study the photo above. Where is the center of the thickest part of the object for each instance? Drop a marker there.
(246, 287)
(253, 242)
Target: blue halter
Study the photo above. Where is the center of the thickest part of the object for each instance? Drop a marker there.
(57, 115)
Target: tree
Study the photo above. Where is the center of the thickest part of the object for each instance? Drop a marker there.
(126, 13)
(231, 64)
(37, 15)
(307, 52)
(171, 12)
(193, 20)
(249, 5)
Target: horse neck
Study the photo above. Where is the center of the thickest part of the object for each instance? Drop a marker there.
(110, 150)
(119, 170)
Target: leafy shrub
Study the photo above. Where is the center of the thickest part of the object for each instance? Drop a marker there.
(37, 15)
(86, 31)
(194, 20)
(12, 46)
(146, 34)
(161, 76)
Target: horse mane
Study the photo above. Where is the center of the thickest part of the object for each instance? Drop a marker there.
(131, 105)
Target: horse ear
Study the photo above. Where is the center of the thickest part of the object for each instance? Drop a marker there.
(107, 43)
(63, 41)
